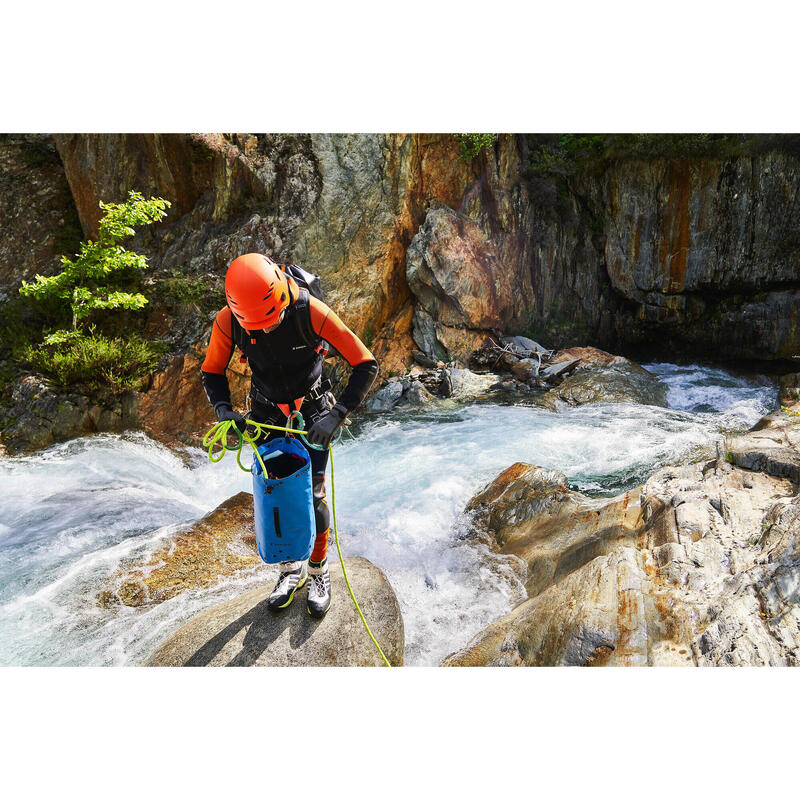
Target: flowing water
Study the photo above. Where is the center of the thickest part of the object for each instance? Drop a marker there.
(72, 513)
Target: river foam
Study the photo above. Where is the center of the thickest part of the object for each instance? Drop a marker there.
(71, 514)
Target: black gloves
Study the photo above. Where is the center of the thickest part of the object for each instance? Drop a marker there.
(322, 431)
(225, 411)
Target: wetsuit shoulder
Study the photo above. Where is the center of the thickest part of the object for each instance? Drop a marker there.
(327, 324)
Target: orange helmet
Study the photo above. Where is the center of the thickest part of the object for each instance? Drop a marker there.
(257, 291)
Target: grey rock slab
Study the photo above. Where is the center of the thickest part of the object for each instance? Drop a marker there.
(386, 398)
(244, 632)
(561, 368)
(525, 345)
(417, 394)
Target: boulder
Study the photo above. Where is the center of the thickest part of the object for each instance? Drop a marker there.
(772, 445)
(386, 398)
(244, 632)
(220, 545)
(525, 370)
(530, 512)
(469, 384)
(588, 357)
(621, 381)
(417, 394)
(697, 567)
(455, 274)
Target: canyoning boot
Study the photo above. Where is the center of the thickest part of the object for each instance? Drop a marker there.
(319, 588)
(292, 577)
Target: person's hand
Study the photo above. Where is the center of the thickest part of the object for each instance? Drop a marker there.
(322, 431)
(224, 412)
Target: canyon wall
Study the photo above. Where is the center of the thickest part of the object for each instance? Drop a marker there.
(683, 256)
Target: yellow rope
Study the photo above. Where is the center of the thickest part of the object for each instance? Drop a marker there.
(341, 561)
(218, 434)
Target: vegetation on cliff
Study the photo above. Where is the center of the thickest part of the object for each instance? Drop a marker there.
(569, 153)
(102, 280)
(471, 145)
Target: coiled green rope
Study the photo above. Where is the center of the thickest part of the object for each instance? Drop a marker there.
(218, 434)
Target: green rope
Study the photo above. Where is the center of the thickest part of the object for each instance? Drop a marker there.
(218, 434)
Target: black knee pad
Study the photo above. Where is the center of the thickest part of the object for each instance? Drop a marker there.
(322, 515)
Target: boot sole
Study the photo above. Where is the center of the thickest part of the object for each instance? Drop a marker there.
(300, 583)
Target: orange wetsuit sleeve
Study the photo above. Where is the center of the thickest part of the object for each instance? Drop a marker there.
(220, 350)
(326, 324)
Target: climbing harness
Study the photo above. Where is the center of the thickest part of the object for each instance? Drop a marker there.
(218, 435)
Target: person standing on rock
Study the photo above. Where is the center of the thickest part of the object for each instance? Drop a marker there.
(282, 332)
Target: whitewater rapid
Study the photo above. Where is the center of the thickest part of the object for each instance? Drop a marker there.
(72, 513)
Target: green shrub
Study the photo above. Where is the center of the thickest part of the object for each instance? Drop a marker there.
(96, 283)
(93, 360)
(91, 282)
(471, 144)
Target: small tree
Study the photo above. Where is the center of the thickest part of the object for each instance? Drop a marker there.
(89, 283)
(95, 281)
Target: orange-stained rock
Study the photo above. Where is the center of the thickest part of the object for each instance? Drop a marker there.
(394, 343)
(455, 273)
(180, 167)
(375, 191)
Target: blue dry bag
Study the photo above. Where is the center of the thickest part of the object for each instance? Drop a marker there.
(283, 502)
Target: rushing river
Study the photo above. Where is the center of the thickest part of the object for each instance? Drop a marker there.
(72, 513)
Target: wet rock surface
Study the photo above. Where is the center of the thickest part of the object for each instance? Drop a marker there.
(423, 386)
(243, 632)
(699, 566)
(41, 414)
(221, 545)
(524, 371)
(771, 446)
(620, 381)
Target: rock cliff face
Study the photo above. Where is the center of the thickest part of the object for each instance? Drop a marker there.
(687, 255)
(708, 250)
(38, 218)
(417, 250)
(697, 567)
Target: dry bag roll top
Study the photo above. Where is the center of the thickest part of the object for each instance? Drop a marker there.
(283, 502)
